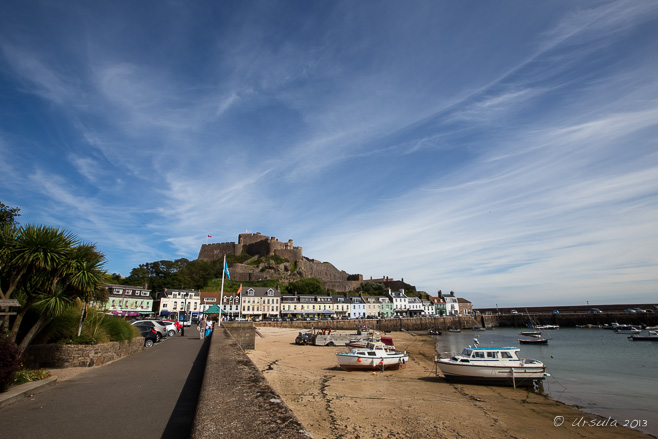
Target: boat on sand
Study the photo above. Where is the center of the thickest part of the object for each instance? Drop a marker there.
(374, 356)
(492, 365)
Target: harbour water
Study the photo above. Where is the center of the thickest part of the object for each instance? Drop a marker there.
(595, 369)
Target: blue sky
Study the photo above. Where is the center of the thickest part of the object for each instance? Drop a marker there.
(504, 150)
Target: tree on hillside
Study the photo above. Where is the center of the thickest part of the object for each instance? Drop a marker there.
(46, 269)
(309, 285)
(181, 273)
(371, 288)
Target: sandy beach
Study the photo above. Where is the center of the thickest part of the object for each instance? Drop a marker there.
(412, 402)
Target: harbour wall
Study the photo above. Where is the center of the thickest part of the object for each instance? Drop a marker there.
(233, 386)
(565, 320)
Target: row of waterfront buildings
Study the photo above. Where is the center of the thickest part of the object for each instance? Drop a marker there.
(262, 303)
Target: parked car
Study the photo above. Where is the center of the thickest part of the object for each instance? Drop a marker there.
(594, 311)
(169, 326)
(150, 335)
(555, 311)
(639, 310)
(161, 330)
(513, 311)
(630, 310)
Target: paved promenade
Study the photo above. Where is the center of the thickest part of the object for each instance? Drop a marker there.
(152, 394)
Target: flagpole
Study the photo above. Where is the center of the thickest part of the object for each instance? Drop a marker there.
(221, 295)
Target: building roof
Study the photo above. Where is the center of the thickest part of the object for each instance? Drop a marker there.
(260, 292)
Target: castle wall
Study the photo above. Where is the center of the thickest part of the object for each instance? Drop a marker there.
(211, 252)
(293, 255)
(257, 244)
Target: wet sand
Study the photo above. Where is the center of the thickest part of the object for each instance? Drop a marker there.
(412, 402)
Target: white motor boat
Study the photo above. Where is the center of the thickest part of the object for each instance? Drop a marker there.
(492, 365)
(374, 356)
(627, 330)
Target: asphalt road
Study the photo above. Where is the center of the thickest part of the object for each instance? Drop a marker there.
(151, 394)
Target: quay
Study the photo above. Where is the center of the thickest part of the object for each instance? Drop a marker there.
(183, 387)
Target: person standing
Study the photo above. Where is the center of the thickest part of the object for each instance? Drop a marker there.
(202, 328)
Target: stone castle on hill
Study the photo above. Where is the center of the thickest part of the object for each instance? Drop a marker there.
(258, 245)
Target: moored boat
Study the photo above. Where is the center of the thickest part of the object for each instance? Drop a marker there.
(492, 365)
(651, 336)
(627, 330)
(372, 338)
(534, 340)
(374, 356)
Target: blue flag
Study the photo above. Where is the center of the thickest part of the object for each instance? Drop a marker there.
(226, 269)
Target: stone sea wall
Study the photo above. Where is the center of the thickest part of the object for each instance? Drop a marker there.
(55, 356)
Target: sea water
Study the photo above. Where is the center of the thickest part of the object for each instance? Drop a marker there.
(598, 370)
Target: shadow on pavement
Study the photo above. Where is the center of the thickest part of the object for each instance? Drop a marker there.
(182, 418)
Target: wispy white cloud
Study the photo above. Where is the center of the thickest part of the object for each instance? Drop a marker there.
(452, 149)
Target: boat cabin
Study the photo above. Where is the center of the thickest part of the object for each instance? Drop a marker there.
(487, 354)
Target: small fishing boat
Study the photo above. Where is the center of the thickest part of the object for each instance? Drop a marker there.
(530, 333)
(435, 332)
(547, 327)
(534, 340)
(374, 356)
(651, 336)
(492, 365)
(478, 329)
(454, 330)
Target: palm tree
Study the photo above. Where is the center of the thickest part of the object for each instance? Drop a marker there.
(50, 269)
(87, 277)
(26, 255)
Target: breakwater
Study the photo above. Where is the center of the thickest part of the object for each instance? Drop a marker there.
(468, 322)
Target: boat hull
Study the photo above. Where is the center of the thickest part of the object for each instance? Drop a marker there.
(533, 341)
(353, 362)
(522, 375)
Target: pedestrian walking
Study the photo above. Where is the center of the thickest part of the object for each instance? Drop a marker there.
(202, 328)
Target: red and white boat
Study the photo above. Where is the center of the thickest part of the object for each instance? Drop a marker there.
(374, 356)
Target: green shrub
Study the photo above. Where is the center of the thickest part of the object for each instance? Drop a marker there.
(96, 328)
(9, 362)
(82, 339)
(27, 376)
(64, 326)
(118, 329)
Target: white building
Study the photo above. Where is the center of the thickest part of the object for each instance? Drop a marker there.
(415, 306)
(400, 302)
(452, 304)
(258, 303)
(357, 307)
(173, 302)
(428, 308)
